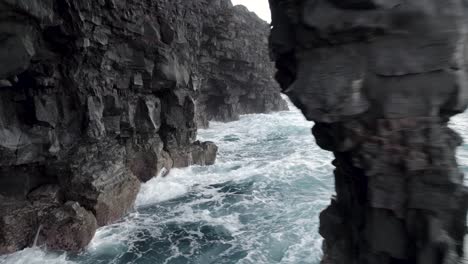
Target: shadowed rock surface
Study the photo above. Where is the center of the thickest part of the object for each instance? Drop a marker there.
(381, 80)
(237, 72)
(98, 96)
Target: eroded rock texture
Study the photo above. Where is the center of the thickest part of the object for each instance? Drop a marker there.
(237, 73)
(381, 79)
(98, 96)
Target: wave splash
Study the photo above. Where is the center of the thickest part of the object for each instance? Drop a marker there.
(258, 204)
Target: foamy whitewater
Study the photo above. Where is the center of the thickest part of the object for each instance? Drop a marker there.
(259, 204)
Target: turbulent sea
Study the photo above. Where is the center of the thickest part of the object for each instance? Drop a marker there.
(258, 205)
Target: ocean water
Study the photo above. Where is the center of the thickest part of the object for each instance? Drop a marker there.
(259, 204)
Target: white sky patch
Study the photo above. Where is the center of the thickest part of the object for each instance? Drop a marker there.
(261, 7)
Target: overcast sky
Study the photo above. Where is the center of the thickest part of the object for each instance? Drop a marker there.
(260, 7)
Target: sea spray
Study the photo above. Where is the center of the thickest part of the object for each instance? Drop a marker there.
(37, 236)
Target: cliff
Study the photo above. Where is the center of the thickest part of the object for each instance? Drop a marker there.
(99, 96)
(238, 75)
(381, 80)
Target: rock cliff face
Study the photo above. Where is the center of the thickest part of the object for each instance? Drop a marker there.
(237, 73)
(98, 96)
(381, 80)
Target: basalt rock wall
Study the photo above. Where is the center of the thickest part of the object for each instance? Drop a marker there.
(237, 71)
(381, 80)
(99, 96)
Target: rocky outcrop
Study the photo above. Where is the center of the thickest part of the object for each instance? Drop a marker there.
(381, 80)
(98, 96)
(237, 73)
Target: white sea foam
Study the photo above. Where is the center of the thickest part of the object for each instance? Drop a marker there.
(258, 204)
(161, 189)
(245, 202)
(35, 256)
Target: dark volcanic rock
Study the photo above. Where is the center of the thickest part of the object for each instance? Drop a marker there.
(204, 153)
(101, 180)
(18, 224)
(68, 227)
(98, 96)
(45, 219)
(237, 73)
(381, 80)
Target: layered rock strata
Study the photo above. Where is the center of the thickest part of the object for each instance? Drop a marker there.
(99, 96)
(381, 80)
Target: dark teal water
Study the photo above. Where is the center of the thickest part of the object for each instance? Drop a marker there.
(259, 204)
